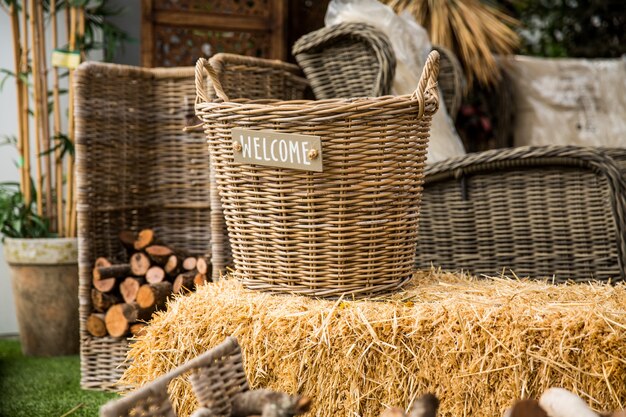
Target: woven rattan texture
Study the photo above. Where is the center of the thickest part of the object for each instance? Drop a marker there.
(349, 229)
(451, 80)
(216, 376)
(135, 168)
(252, 78)
(538, 211)
(342, 60)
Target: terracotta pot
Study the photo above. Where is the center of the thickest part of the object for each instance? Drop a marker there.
(44, 275)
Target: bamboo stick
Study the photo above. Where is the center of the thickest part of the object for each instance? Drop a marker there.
(45, 115)
(56, 110)
(17, 56)
(81, 34)
(24, 110)
(36, 108)
(70, 130)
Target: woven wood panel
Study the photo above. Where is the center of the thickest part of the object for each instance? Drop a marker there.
(237, 7)
(175, 45)
(178, 32)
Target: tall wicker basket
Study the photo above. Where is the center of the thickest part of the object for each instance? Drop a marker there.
(350, 229)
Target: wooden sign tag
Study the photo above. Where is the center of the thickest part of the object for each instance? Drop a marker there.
(274, 149)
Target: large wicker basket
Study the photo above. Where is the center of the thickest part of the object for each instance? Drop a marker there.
(350, 229)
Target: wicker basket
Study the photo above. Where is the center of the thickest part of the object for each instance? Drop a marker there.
(352, 55)
(350, 229)
(216, 376)
(137, 168)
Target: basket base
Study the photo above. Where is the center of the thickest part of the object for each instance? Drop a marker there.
(352, 291)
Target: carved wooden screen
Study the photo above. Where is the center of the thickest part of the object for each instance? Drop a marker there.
(178, 32)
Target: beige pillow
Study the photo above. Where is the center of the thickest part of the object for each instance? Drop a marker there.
(568, 101)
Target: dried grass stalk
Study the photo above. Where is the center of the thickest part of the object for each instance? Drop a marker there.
(472, 29)
(478, 344)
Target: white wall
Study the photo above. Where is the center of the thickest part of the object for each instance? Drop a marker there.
(130, 21)
(8, 171)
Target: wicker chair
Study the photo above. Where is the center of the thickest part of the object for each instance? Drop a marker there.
(216, 376)
(347, 60)
(537, 211)
(542, 211)
(357, 60)
(136, 168)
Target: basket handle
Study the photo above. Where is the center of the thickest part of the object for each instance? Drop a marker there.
(201, 65)
(428, 81)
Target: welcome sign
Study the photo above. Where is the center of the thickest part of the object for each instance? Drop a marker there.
(274, 149)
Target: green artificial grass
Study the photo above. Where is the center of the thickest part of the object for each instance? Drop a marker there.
(46, 387)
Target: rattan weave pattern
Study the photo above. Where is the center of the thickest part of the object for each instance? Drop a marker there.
(348, 230)
(353, 56)
(540, 211)
(135, 169)
(451, 80)
(216, 376)
(252, 78)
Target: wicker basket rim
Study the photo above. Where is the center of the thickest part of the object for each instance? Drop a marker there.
(425, 96)
(336, 104)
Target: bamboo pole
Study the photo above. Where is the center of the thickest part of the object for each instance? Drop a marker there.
(70, 131)
(45, 115)
(81, 34)
(24, 110)
(56, 110)
(37, 107)
(17, 56)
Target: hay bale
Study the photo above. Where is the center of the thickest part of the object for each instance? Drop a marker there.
(477, 343)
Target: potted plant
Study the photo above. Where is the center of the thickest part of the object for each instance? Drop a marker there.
(44, 272)
(38, 214)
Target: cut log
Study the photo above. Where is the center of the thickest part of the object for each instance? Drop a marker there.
(95, 325)
(105, 278)
(199, 279)
(130, 287)
(155, 274)
(138, 329)
(102, 262)
(189, 263)
(139, 264)
(127, 239)
(172, 265)
(184, 282)
(101, 301)
(154, 295)
(119, 318)
(144, 239)
(159, 254)
(268, 403)
(202, 265)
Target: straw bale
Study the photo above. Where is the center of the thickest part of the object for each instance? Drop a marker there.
(478, 344)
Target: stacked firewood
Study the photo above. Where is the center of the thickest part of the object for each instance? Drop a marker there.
(125, 294)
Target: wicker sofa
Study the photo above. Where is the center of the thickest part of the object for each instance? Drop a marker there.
(553, 212)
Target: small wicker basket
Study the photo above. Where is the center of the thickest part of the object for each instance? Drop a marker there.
(350, 229)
